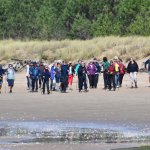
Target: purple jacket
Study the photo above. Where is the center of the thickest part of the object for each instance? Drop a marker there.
(91, 69)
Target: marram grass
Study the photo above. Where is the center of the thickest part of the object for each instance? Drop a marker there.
(124, 47)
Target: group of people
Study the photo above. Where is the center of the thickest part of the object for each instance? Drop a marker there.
(59, 76)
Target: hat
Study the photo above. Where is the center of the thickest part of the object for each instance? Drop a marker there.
(115, 58)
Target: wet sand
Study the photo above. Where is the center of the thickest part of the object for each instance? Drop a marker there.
(67, 146)
(124, 106)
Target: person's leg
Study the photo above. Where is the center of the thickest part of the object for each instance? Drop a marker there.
(40, 81)
(0, 87)
(121, 79)
(96, 80)
(135, 79)
(36, 82)
(47, 85)
(85, 84)
(132, 79)
(113, 82)
(43, 87)
(109, 82)
(106, 82)
(149, 77)
(28, 82)
(33, 84)
(90, 80)
(65, 84)
(80, 83)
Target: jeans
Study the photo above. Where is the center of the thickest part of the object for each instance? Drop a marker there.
(117, 80)
(82, 82)
(34, 84)
(96, 80)
(105, 77)
(47, 85)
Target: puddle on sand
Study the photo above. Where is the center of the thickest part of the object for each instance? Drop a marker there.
(70, 132)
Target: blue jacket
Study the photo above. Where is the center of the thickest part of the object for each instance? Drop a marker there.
(64, 71)
(2, 72)
(52, 74)
(34, 71)
(147, 63)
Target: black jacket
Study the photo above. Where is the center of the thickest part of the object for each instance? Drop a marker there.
(132, 67)
(82, 72)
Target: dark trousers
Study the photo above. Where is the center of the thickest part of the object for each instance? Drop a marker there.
(28, 82)
(45, 83)
(121, 78)
(96, 80)
(64, 84)
(40, 81)
(111, 81)
(91, 80)
(34, 84)
(82, 82)
(105, 77)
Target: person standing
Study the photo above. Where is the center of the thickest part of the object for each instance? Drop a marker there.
(111, 76)
(2, 72)
(46, 77)
(28, 75)
(147, 66)
(91, 71)
(117, 72)
(10, 76)
(82, 72)
(57, 76)
(133, 69)
(64, 76)
(98, 70)
(105, 66)
(52, 75)
(35, 77)
(70, 75)
(41, 69)
(122, 70)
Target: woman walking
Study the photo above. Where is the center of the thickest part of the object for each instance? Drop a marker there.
(122, 71)
(46, 77)
(111, 76)
(70, 75)
(82, 72)
(91, 71)
(57, 76)
(133, 69)
(10, 75)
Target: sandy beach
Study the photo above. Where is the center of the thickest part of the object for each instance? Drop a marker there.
(124, 106)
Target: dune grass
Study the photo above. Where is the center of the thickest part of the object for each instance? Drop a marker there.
(124, 47)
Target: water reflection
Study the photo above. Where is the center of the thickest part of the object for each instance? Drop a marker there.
(74, 132)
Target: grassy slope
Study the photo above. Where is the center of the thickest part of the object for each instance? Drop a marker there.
(124, 47)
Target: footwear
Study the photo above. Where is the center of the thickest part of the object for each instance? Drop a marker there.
(114, 89)
(136, 85)
(85, 90)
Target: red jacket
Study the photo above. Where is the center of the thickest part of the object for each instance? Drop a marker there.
(122, 69)
(111, 70)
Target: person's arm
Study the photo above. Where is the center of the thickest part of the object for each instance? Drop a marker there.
(146, 63)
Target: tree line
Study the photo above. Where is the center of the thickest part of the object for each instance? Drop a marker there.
(73, 19)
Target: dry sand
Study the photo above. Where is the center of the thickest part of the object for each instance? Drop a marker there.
(129, 106)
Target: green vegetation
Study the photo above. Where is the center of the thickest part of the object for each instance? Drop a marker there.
(124, 47)
(73, 19)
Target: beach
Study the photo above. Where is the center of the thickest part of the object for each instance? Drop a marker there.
(125, 106)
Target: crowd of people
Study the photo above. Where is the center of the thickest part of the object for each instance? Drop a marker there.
(60, 75)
